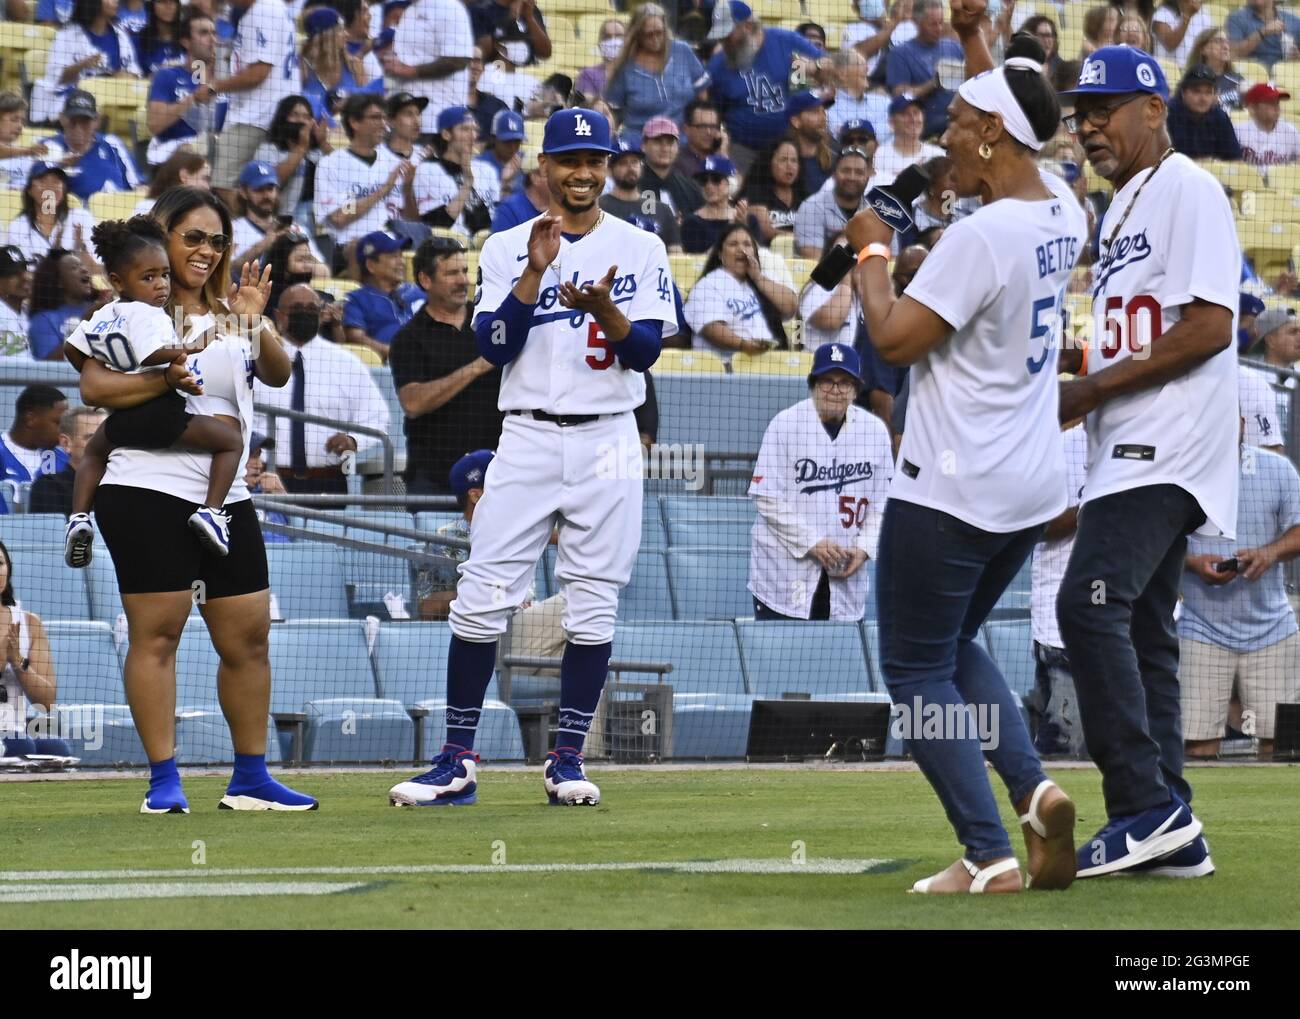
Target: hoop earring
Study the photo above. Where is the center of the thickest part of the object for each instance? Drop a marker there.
(985, 150)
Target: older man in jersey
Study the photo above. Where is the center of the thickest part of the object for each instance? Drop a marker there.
(1161, 400)
(573, 306)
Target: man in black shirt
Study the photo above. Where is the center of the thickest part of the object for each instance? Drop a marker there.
(448, 392)
(52, 493)
(628, 203)
(660, 143)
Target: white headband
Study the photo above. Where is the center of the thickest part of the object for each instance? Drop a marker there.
(991, 93)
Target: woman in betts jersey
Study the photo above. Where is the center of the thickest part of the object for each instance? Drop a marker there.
(144, 504)
(980, 470)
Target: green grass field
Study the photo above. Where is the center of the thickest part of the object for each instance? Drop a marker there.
(1251, 815)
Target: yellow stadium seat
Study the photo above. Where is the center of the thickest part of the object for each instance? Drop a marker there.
(686, 270)
(533, 131)
(589, 28)
(1259, 208)
(1286, 76)
(115, 204)
(774, 362)
(575, 6)
(121, 101)
(336, 288)
(1271, 251)
(801, 269)
(564, 38)
(11, 204)
(825, 11)
(18, 38)
(1235, 176)
(1069, 40)
(1173, 73)
(673, 361)
(773, 11)
(33, 65)
(1218, 12)
(367, 356)
(783, 245)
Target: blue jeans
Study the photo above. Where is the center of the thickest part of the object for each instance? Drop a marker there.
(937, 579)
(1116, 613)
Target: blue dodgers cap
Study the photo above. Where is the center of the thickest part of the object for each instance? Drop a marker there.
(258, 175)
(1249, 304)
(1113, 70)
(858, 125)
(321, 19)
(380, 243)
(508, 126)
(801, 101)
(453, 116)
(385, 39)
(716, 166)
(575, 129)
(470, 471)
(625, 146)
(901, 102)
(836, 357)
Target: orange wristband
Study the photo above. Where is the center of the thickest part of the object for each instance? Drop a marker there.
(872, 251)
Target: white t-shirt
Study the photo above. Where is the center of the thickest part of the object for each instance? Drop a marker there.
(807, 487)
(1051, 557)
(429, 30)
(34, 244)
(14, 171)
(121, 334)
(14, 326)
(982, 440)
(810, 302)
(1185, 432)
(265, 36)
(1268, 148)
(859, 31)
(1201, 20)
(720, 297)
(1258, 404)
(889, 162)
(434, 187)
(567, 366)
(225, 370)
(343, 176)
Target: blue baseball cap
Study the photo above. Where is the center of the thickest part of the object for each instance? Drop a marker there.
(576, 129)
(379, 243)
(716, 166)
(726, 16)
(859, 125)
(258, 175)
(470, 470)
(899, 103)
(41, 167)
(385, 39)
(392, 5)
(508, 126)
(321, 19)
(454, 116)
(801, 101)
(625, 146)
(836, 357)
(1249, 304)
(1114, 70)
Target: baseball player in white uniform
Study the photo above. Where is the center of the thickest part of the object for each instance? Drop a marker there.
(1161, 400)
(820, 485)
(573, 305)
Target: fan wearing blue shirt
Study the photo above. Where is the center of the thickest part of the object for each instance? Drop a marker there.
(385, 301)
(751, 77)
(182, 102)
(61, 294)
(102, 162)
(913, 67)
(30, 447)
(498, 158)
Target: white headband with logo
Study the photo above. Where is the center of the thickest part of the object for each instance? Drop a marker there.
(990, 92)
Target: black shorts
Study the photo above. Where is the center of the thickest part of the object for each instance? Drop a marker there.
(153, 425)
(153, 549)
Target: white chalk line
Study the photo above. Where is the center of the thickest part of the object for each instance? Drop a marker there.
(169, 890)
(738, 866)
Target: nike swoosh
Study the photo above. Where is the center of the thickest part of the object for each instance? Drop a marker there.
(1135, 845)
(520, 258)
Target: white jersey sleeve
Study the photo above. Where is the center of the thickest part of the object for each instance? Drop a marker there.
(122, 334)
(1191, 271)
(495, 280)
(1259, 408)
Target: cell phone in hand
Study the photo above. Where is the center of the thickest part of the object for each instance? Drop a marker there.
(1227, 566)
(284, 221)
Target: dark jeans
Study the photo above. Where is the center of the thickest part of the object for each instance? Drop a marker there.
(937, 579)
(820, 609)
(328, 484)
(1116, 612)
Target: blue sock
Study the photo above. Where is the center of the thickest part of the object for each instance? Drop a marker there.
(251, 778)
(582, 677)
(165, 785)
(469, 671)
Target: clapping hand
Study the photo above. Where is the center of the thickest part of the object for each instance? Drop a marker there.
(967, 15)
(591, 297)
(543, 243)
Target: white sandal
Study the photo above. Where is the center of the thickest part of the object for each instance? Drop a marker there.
(1061, 828)
(979, 878)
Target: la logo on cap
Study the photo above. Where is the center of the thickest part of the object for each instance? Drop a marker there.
(837, 354)
(1093, 73)
(583, 129)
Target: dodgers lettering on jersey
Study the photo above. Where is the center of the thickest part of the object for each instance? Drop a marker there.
(808, 486)
(982, 440)
(1178, 244)
(567, 365)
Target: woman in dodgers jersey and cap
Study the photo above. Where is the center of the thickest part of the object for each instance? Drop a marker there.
(1161, 400)
(573, 304)
(981, 467)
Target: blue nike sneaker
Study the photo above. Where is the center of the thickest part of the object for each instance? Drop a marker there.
(566, 782)
(1126, 842)
(451, 782)
(1191, 861)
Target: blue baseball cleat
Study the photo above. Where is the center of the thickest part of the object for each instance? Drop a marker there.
(1191, 861)
(1127, 842)
(566, 783)
(451, 782)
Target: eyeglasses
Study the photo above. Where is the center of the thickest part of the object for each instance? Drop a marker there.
(855, 151)
(197, 238)
(842, 385)
(706, 127)
(1098, 117)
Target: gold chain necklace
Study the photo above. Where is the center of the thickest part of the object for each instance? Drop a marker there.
(600, 218)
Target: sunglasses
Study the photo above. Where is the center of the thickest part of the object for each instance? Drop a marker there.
(196, 239)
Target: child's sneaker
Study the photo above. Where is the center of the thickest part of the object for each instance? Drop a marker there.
(78, 540)
(213, 528)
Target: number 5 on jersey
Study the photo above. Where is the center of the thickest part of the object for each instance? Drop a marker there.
(600, 355)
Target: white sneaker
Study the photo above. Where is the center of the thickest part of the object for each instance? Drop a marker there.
(213, 528)
(566, 782)
(78, 541)
(451, 782)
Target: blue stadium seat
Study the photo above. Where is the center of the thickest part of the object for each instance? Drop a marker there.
(647, 595)
(358, 729)
(101, 582)
(721, 521)
(499, 737)
(32, 529)
(380, 518)
(196, 667)
(396, 415)
(710, 583)
(100, 734)
(368, 576)
(710, 726)
(411, 661)
(821, 659)
(86, 666)
(725, 413)
(202, 737)
(871, 641)
(313, 659)
(307, 581)
(1011, 643)
(431, 520)
(46, 585)
(653, 537)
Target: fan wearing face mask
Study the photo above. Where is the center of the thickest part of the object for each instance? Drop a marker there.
(511, 34)
(591, 80)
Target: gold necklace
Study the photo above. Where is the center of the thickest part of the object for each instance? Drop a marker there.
(600, 218)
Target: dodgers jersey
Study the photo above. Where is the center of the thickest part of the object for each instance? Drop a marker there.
(567, 366)
(1178, 243)
(121, 334)
(807, 487)
(982, 441)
